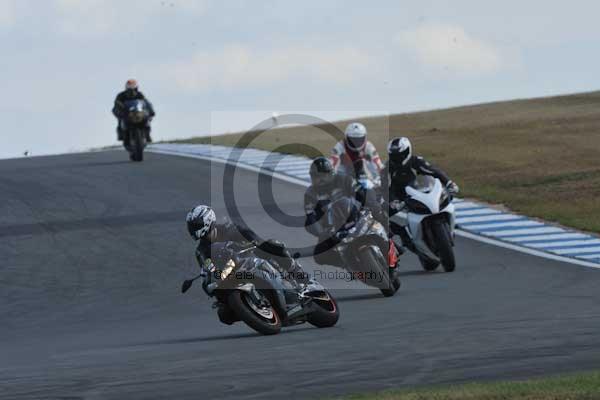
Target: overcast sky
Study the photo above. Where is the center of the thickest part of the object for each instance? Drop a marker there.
(63, 61)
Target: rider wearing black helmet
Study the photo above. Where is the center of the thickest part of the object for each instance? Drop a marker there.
(403, 167)
(327, 185)
(203, 227)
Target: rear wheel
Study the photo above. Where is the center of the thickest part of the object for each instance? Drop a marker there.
(326, 313)
(261, 317)
(441, 232)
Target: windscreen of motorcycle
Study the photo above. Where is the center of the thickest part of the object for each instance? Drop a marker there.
(343, 213)
(423, 183)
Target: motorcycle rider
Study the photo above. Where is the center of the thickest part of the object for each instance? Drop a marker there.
(131, 92)
(325, 186)
(402, 169)
(203, 227)
(355, 146)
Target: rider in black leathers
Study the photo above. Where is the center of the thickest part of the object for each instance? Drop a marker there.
(131, 92)
(401, 169)
(327, 185)
(202, 225)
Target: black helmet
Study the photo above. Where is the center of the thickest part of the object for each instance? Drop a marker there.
(321, 172)
(400, 151)
(201, 221)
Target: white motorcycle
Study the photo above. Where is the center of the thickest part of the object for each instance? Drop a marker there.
(428, 218)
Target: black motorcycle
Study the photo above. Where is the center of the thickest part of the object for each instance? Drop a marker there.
(137, 127)
(249, 288)
(362, 244)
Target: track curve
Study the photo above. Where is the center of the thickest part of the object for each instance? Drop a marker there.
(94, 248)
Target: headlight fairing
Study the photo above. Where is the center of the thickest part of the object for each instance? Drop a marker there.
(137, 116)
(417, 207)
(227, 270)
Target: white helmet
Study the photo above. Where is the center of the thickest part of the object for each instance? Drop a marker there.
(400, 150)
(356, 136)
(201, 221)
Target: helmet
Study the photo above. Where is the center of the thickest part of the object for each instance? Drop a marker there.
(131, 84)
(356, 136)
(201, 221)
(321, 172)
(400, 150)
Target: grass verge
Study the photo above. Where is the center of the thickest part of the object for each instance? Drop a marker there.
(572, 387)
(539, 157)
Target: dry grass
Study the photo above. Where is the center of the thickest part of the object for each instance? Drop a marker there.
(540, 157)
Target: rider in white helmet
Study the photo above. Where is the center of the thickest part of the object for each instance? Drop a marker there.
(354, 147)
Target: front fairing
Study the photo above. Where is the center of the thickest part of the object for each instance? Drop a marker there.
(137, 112)
(428, 194)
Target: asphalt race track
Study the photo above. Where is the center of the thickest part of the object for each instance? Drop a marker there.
(93, 250)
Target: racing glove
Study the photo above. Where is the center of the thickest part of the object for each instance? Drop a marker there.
(452, 188)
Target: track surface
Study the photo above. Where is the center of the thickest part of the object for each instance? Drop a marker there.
(93, 249)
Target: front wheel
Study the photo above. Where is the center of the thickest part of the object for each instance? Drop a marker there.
(138, 147)
(262, 318)
(325, 314)
(427, 264)
(441, 232)
(374, 261)
(395, 284)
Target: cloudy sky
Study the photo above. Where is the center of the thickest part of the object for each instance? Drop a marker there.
(63, 61)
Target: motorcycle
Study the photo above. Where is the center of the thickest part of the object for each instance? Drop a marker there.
(363, 245)
(428, 220)
(136, 126)
(251, 289)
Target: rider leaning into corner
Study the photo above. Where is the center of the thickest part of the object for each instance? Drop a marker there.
(131, 92)
(203, 227)
(325, 186)
(402, 169)
(355, 146)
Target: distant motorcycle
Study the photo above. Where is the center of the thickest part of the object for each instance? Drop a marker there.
(136, 127)
(363, 245)
(251, 289)
(429, 220)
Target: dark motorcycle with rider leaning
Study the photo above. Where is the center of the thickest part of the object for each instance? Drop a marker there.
(353, 239)
(248, 286)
